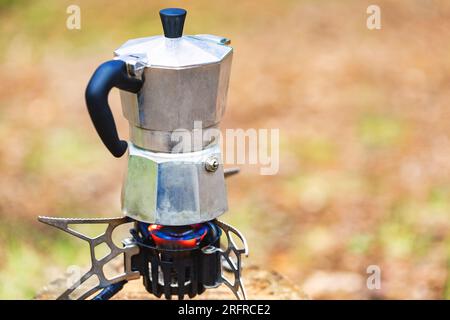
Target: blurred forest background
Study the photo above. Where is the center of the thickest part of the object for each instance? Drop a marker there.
(364, 128)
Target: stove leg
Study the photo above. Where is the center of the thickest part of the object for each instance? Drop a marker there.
(128, 250)
(234, 266)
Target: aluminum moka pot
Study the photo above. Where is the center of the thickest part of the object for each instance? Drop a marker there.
(167, 83)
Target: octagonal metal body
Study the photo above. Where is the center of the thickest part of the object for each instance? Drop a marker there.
(173, 99)
(185, 80)
(173, 188)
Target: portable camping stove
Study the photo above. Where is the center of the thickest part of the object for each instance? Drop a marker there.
(174, 191)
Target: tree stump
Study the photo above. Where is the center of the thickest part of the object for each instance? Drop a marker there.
(259, 284)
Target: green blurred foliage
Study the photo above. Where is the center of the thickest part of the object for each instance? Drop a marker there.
(380, 131)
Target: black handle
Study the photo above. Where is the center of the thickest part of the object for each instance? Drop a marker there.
(108, 75)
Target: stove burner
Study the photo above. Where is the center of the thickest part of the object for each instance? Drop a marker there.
(165, 271)
(178, 260)
(178, 237)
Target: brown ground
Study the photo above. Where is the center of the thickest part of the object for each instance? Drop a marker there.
(259, 284)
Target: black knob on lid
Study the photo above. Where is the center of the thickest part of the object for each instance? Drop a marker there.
(173, 21)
